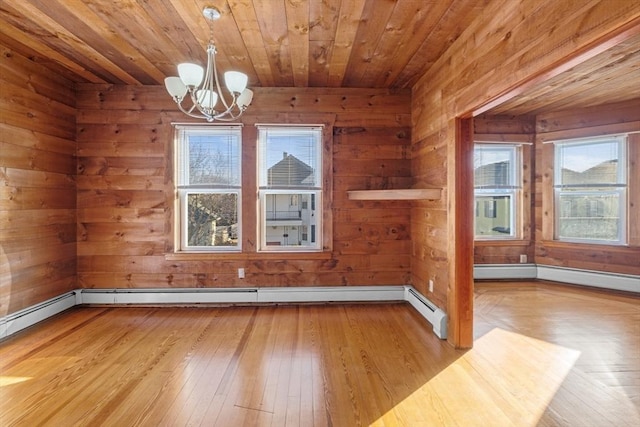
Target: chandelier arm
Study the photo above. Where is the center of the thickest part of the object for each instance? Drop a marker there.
(215, 73)
(190, 113)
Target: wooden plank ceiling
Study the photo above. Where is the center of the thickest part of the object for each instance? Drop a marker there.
(278, 43)
(286, 43)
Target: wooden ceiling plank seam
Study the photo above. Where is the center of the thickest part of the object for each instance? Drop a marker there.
(348, 22)
(297, 14)
(319, 53)
(66, 43)
(374, 24)
(274, 30)
(246, 20)
(167, 18)
(323, 24)
(323, 19)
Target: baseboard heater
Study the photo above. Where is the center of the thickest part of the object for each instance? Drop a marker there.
(191, 296)
(598, 279)
(429, 311)
(29, 316)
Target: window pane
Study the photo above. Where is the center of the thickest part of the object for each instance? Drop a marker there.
(590, 182)
(589, 216)
(212, 219)
(493, 216)
(588, 164)
(494, 167)
(290, 157)
(214, 158)
(290, 219)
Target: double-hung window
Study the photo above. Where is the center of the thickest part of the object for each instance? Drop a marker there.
(590, 185)
(497, 184)
(290, 188)
(208, 181)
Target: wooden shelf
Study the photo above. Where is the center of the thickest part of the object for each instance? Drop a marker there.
(405, 194)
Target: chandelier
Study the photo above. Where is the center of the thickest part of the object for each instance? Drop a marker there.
(203, 87)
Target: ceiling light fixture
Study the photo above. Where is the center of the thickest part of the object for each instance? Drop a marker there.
(203, 86)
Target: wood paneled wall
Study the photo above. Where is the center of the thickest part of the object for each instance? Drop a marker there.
(125, 191)
(37, 183)
(588, 122)
(511, 43)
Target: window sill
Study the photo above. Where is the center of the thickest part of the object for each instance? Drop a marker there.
(208, 256)
(500, 242)
(572, 245)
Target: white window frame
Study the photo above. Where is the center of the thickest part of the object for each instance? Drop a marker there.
(184, 188)
(619, 188)
(265, 190)
(513, 190)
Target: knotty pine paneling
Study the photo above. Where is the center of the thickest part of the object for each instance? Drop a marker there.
(37, 184)
(125, 191)
(593, 121)
(510, 43)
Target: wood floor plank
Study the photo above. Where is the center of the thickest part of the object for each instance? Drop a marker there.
(544, 355)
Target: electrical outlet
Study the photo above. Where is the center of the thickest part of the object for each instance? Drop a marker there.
(241, 273)
(523, 259)
(430, 285)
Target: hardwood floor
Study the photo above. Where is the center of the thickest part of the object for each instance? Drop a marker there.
(544, 355)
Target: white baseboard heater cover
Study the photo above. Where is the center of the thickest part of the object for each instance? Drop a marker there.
(429, 311)
(598, 279)
(619, 282)
(32, 315)
(504, 271)
(29, 316)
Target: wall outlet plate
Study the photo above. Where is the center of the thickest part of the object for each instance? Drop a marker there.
(241, 273)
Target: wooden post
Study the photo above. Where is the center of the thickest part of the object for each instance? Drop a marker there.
(460, 300)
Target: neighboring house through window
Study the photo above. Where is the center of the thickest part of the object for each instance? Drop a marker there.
(590, 184)
(497, 184)
(290, 187)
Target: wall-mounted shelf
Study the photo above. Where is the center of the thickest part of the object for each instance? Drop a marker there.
(405, 194)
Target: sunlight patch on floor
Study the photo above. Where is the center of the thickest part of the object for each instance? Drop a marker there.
(6, 380)
(506, 379)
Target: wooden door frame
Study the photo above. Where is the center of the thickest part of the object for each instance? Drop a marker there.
(460, 299)
(461, 294)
